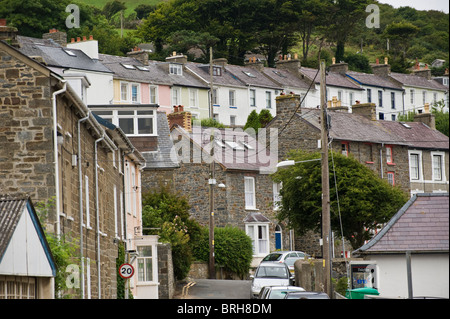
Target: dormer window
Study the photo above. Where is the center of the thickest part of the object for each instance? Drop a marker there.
(217, 71)
(176, 69)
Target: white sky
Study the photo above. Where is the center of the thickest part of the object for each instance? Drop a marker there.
(440, 5)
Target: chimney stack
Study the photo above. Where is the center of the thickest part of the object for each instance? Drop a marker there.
(255, 64)
(427, 118)
(57, 36)
(383, 70)
(138, 54)
(368, 110)
(88, 46)
(180, 118)
(286, 106)
(425, 73)
(8, 34)
(289, 64)
(177, 58)
(341, 68)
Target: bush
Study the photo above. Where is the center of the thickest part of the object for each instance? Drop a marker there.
(233, 249)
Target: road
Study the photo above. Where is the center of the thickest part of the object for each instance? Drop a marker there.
(217, 289)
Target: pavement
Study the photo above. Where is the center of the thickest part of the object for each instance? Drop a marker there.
(213, 289)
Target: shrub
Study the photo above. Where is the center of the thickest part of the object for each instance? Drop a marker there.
(232, 250)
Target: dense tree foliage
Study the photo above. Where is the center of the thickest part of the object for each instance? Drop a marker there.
(365, 200)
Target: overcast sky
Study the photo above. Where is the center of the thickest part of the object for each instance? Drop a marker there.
(440, 5)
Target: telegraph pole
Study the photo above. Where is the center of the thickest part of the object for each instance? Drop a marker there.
(212, 180)
(326, 224)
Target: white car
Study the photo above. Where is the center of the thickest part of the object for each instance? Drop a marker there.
(270, 274)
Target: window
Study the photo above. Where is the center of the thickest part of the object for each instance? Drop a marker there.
(249, 193)
(259, 234)
(381, 116)
(232, 120)
(393, 117)
(344, 148)
(252, 98)
(369, 96)
(86, 183)
(232, 98)
(391, 178)
(424, 97)
(392, 100)
(389, 155)
(68, 52)
(438, 165)
(276, 195)
(434, 97)
(380, 98)
(350, 97)
(193, 98)
(268, 99)
(124, 91)
(215, 97)
(176, 96)
(414, 166)
(176, 69)
(145, 263)
(135, 93)
(131, 121)
(411, 92)
(217, 71)
(370, 153)
(128, 66)
(153, 95)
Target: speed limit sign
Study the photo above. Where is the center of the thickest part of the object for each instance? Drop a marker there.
(126, 271)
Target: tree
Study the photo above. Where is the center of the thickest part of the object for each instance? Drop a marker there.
(167, 213)
(264, 117)
(253, 121)
(365, 200)
(112, 7)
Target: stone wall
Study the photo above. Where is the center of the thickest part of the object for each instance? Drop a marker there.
(166, 277)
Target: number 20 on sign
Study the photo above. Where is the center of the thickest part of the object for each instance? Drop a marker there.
(126, 271)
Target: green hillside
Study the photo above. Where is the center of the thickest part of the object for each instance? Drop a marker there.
(130, 4)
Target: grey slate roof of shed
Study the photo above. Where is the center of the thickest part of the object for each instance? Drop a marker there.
(421, 225)
(10, 212)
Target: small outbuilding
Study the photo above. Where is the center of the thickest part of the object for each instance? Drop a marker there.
(411, 252)
(27, 267)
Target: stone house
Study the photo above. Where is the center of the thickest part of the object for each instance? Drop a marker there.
(69, 157)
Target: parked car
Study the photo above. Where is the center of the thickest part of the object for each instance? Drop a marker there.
(280, 256)
(306, 295)
(270, 274)
(277, 292)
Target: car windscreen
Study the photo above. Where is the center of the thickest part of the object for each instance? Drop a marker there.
(272, 272)
(272, 257)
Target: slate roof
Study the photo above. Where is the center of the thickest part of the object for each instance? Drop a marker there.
(226, 78)
(417, 81)
(164, 156)
(354, 127)
(55, 55)
(142, 73)
(373, 80)
(255, 217)
(10, 212)
(232, 156)
(185, 79)
(286, 78)
(332, 78)
(421, 225)
(251, 77)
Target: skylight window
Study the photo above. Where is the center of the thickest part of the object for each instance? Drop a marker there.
(248, 146)
(279, 74)
(141, 68)
(220, 143)
(249, 74)
(128, 66)
(71, 53)
(405, 125)
(234, 145)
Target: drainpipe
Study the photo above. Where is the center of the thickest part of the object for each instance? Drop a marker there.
(55, 150)
(97, 214)
(381, 160)
(80, 179)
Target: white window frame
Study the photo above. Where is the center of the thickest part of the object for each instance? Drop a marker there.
(268, 100)
(153, 94)
(134, 99)
(193, 98)
(442, 178)
(232, 98)
(259, 234)
(153, 259)
(412, 97)
(248, 180)
(124, 92)
(276, 195)
(175, 69)
(252, 94)
(419, 165)
(176, 96)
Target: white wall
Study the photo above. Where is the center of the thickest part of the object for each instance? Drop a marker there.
(430, 275)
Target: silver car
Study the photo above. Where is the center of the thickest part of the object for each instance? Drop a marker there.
(270, 274)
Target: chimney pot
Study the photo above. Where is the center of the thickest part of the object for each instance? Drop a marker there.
(377, 61)
(333, 60)
(2, 22)
(84, 38)
(78, 39)
(72, 40)
(385, 60)
(91, 37)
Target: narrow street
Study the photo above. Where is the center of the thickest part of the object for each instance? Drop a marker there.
(216, 289)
